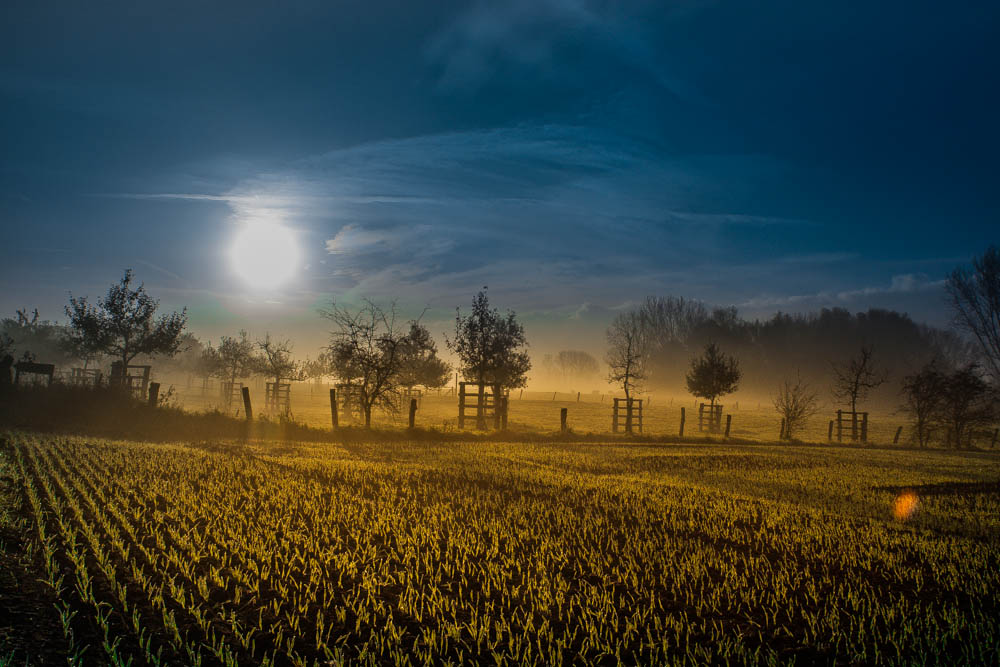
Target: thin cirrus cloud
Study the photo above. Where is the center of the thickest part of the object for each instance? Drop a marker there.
(900, 285)
(571, 208)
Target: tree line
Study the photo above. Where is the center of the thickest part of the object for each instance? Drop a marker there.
(946, 380)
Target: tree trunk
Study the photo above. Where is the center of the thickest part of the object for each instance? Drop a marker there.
(628, 410)
(368, 416)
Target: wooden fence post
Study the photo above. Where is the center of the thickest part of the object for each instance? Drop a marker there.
(333, 409)
(562, 419)
(497, 402)
(681, 434)
(840, 426)
(553, 396)
(864, 427)
(729, 422)
(577, 397)
(520, 395)
(614, 416)
(829, 432)
(154, 393)
(413, 411)
(247, 408)
(503, 415)
(461, 406)
(895, 439)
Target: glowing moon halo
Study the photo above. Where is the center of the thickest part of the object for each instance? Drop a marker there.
(265, 255)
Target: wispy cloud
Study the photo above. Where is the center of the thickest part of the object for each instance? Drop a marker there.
(564, 208)
(901, 284)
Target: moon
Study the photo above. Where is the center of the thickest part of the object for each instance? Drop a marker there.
(265, 255)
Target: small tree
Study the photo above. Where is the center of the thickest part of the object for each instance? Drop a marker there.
(318, 368)
(420, 364)
(922, 395)
(37, 339)
(123, 324)
(274, 360)
(490, 348)
(713, 374)
(855, 379)
(626, 357)
(795, 402)
(367, 350)
(967, 403)
(975, 300)
(234, 358)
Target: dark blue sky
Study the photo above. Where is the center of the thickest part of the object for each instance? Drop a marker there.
(573, 156)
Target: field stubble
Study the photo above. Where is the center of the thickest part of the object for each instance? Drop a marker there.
(506, 553)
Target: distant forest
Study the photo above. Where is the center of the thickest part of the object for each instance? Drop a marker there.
(769, 351)
(677, 329)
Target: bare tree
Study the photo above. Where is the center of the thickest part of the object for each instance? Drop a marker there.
(854, 380)
(713, 374)
(626, 357)
(967, 403)
(795, 402)
(975, 299)
(490, 348)
(922, 399)
(367, 351)
(274, 360)
(123, 325)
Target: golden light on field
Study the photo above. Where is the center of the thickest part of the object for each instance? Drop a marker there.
(265, 255)
(905, 505)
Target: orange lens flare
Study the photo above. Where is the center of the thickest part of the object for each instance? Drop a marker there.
(905, 505)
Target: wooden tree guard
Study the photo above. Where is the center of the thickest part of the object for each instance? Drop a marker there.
(278, 397)
(852, 419)
(411, 393)
(483, 402)
(231, 392)
(85, 377)
(348, 397)
(627, 411)
(30, 368)
(709, 418)
(135, 378)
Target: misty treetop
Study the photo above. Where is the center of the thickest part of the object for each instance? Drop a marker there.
(673, 329)
(123, 323)
(713, 374)
(490, 346)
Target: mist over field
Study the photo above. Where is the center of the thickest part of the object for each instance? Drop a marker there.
(540, 332)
